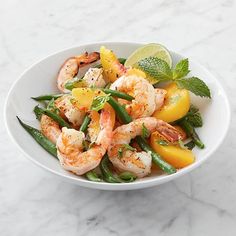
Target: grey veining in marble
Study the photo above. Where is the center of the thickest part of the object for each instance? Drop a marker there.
(33, 202)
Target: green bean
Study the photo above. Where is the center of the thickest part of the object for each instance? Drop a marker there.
(92, 176)
(127, 176)
(118, 94)
(108, 85)
(47, 97)
(156, 158)
(106, 172)
(40, 138)
(120, 111)
(85, 123)
(190, 131)
(53, 115)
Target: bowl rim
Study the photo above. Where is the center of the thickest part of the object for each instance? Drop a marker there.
(113, 186)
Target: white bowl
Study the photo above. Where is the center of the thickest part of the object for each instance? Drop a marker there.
(41, 79)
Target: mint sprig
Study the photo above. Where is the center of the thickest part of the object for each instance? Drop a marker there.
(161, 71)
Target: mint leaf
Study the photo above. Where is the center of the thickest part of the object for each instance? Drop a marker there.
(38, 113)
(195, 120)
(75, 83)
(123, 148)
(194, 117)
(156, 68)
(128, 147)
(145, 131)
(99, 102)
(195, 85)
(181, 69)
(162, 142)
(127, 176)
(120, 152)
(193, 109)
(51, 106)
(120, 59)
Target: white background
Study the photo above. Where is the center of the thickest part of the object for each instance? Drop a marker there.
(33, 202)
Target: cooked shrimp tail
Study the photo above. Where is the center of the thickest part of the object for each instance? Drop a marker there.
(71, 67)
(70, 147)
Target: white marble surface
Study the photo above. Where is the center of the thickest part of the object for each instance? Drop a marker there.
(33, 202)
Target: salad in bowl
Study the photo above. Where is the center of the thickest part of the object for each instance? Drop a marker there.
(119, 120)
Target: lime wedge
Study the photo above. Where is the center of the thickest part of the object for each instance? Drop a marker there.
(149, 50)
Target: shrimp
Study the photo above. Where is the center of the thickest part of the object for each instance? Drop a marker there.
(94, 78)
(69, 111)
(71, 67)
(126, 159)
(94, 126)
(160, 97)
(50, 128)
(70, 147)
(144, 102)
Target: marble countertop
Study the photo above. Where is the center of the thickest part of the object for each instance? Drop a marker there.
(33, 202)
